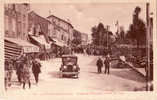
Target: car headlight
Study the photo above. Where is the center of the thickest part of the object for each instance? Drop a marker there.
(64, 67)
(74, 67)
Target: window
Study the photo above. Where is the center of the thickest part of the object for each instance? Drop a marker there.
(24, 17)
(19, 29)
(24, 26)
(62, 38)
(14, 25)
(13, 6)
(6, 23)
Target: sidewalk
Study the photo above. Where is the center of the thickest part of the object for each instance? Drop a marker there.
(139, 70)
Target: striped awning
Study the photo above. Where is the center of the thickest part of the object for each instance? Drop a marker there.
(61, 44)
(41, 39)
(14, 47)
(11, 49)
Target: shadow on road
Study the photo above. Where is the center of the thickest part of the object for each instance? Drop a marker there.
(94, 72)
(54, 74)
(129, 74)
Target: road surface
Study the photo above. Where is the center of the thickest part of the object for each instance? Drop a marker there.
(89, 81)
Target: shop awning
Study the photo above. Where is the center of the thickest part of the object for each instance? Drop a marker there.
(11, 49)
(59, 43)
(41, 40)
(14, 47)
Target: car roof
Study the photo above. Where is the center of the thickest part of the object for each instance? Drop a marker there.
(69, 56)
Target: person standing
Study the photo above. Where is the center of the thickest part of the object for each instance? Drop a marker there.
(26, 73)
(99, 64)
(107, 64)
(19, 68)
(8, 73)
(36, 70)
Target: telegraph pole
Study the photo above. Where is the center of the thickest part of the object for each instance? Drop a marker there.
(148, 48)
(107, 35)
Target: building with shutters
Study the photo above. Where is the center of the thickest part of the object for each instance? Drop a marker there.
(16, 20)
(62, 30)
(38, 33)
(16, 30)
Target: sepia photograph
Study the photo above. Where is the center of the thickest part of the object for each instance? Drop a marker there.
(78, 48)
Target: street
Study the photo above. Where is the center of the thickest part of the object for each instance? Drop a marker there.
(89, 80)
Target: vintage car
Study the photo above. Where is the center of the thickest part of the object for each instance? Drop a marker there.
(69, 66)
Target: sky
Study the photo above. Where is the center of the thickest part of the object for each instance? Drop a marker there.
(84, 16)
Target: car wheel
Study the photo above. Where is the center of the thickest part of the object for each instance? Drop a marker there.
(77, 76)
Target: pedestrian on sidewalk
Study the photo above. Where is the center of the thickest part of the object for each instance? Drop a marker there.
(19, 68)
(99, 64)
(36, 69)
(8, 73)
(26, 73)
(107, 64)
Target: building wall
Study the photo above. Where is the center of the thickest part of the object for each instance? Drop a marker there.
(40, 23)
(16, 20)
(51, 30)
(62, 30)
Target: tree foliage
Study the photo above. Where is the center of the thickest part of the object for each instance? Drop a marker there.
(101, 36)
(77, 38)
(137, 30)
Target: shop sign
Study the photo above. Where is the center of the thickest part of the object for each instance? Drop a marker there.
(29, 49)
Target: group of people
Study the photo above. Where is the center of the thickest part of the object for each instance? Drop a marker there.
(106, 63)
(23, 66)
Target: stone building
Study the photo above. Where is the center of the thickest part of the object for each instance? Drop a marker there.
(16, 30)
(16, 20)
(39, 33)
(62, 30)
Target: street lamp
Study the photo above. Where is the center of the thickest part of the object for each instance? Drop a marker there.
(148, 71)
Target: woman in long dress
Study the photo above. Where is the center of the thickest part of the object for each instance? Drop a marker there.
(26, 73)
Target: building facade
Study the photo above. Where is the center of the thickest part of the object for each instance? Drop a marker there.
(39, 25)
(60, 29)
(16, 31)
(16, 20)
(39, 29)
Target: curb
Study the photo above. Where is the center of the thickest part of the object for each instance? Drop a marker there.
(134, 68)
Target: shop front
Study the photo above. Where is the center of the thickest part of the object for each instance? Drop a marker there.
(13, 48)
(42, 44)
(59, 48)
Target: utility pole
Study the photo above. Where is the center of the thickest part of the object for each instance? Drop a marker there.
(107, 35)
(148, 48)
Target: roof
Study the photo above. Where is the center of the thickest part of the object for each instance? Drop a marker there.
(69, 56)
(27, 46)
(59, 43)
(41, 40)
(19, 42)
(60, 19)
(32, 12)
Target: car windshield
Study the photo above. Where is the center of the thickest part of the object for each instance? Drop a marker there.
(69, 60)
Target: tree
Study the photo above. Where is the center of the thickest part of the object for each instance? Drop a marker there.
(95, 36)
(137, 30)
(77, 38)
(100, 35)
(76, 41)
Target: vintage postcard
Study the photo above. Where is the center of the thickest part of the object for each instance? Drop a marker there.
(78, 49)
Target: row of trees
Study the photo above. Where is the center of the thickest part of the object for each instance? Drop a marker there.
(101, 36)
(137, 30)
